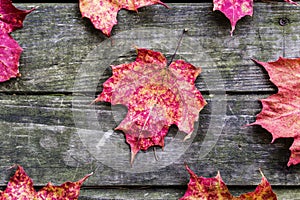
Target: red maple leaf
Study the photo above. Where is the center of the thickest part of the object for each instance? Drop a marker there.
(11, 19)
(156, 96)
(234, 10)
(103, 13)
(10, 53)
(291, 2)
(202, 188)
(20, 186)
(280, 112)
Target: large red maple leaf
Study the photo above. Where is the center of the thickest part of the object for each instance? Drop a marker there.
(156, 96)
(280, 114)
(11, 19)
(234, 10)
(103, 13)
(20, 187)
(202, 188)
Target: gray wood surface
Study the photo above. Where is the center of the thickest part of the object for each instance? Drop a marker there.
(54, 28)
(38, 132)
(167, 193)
(48, 125)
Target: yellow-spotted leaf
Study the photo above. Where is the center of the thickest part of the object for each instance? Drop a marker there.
(20, 186)
(202, 188)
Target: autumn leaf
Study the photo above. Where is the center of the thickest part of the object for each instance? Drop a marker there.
(206, 188)
(202, 188)
(262, 191)
(291, 2)
(234, 10)
(20, 186)
(157, 95)
(10, 53)
(280, 112)
(11, 19)
(103, 13)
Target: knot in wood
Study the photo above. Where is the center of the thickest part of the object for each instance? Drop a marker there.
(283, 21)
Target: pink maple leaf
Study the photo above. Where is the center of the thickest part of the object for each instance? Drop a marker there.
(234, 10)
(280, 112)
(103, 13)
(291, 2)
(11, 18)
(10, 53)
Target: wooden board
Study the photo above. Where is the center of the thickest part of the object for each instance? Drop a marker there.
(166, 193)
(39, 132)
(50, 128)
(56, 41)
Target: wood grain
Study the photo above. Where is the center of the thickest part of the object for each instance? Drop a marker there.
(49, 126)
(166, 193)
(39, 133)
(56, 41)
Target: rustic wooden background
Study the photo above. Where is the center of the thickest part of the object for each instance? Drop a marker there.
(41, 112)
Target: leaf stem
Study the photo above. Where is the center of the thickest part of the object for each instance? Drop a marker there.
(155, 155)
(179, 42)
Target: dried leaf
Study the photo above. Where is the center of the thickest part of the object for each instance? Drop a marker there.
(291, 2)
(10, 53)
(262, 191)
(156, 96)
(206, 188)
(66, 191)
(20, 186)
(280, 112)
(202, 188)
(11, 18)
(234, 10)
(103, 13)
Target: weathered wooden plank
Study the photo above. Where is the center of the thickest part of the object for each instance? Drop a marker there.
(57, 42)
(41, 133)
(62, 137)
(167, 193)
(170, 193)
